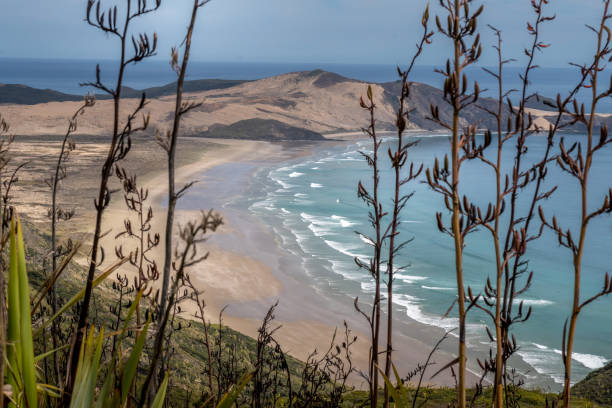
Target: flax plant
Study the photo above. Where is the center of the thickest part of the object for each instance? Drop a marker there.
(461, 26)
(399, 159)
(376, 214)
(510, 240)
(144, 47)
(169, 143)
(387, 234)
(577, 161)
(56, 214)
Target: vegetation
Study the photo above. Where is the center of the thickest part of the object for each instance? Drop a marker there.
(596, 386)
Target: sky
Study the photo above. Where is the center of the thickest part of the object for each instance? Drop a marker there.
(329, 31)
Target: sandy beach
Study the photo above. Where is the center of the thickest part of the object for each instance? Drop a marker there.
(248, 271)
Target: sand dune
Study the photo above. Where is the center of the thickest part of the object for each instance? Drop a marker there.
(317, 101)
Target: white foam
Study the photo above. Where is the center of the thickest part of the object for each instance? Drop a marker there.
(316, 185)
(534, 302)
(368, 286)
(318, 231)
(285, 211)
(410, 278)
(427, 135)
(347, 269)
(591, 361)
(300, 239)
(325, 224)
(300, 195)
(413, 310)
(344, 249)
(317, 219)
(283, 184)
(540, 346)
(437, 288)
(314, 168)
(543, 361)
(546, 361)
(318, 225)
(366, 240)
(345, 223)
(265, 204)
(295, 174)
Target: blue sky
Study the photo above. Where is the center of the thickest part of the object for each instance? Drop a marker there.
(331, 31)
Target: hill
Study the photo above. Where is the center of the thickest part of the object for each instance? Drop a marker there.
(24, 95)
(597, 386)
(261, 129)
(198, 85)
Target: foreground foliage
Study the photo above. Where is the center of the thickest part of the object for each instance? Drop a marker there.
(116, 377)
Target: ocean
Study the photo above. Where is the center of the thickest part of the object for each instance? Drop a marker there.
(66, 75)
(312, 206)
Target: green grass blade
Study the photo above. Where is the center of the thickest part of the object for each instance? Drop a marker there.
(234, 392)
(158, 402)
(130, 313)
(49, 353)
(398, 378)
(390, 387)
(79, 295)
(131, 365)
(86, 377)
(14, 327)
(27, 347)
(102, 401)
(82, 369)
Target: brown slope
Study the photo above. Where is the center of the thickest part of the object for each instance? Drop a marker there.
(423, 96)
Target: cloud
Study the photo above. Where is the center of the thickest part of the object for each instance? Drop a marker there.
(357, 31)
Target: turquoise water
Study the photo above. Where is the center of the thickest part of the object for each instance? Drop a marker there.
(312, 205)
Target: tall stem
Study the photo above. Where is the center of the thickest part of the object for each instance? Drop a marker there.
(378, 248)
(172, 196)
(456, 228)
(584, 216)
(499, 359)
(102, 192)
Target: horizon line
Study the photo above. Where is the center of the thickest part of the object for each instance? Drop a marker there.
(385, 64)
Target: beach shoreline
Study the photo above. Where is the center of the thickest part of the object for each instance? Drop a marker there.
(248, 270)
